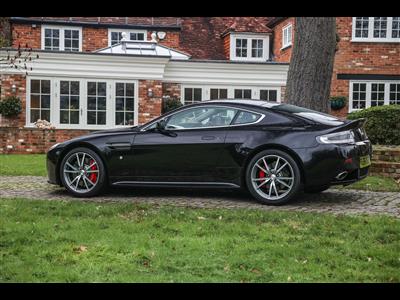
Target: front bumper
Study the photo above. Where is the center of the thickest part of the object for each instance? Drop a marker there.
(52, 159)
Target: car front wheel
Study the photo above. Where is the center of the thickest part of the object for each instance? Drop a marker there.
(273, 177)
(82, 172)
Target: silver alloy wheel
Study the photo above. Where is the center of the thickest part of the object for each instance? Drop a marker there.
(272, 177)
(81, 172)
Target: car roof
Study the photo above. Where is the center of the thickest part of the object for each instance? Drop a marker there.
(248, 102)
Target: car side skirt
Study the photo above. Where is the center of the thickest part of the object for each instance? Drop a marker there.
(176, 184)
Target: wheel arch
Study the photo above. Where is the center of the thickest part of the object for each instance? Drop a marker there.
(77, 145)
(283, 148)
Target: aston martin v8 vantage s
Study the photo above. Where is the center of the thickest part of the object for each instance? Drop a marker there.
(271, 149)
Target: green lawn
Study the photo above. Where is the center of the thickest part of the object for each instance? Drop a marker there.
(23, 164)
(35, 164)
(71, 241)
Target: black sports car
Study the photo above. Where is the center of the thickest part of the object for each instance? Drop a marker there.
(274, 150)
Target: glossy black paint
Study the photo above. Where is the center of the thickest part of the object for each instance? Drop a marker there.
(217, 156)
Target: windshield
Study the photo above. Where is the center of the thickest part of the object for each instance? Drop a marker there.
(309, 114)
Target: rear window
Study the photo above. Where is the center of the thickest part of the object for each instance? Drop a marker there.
(308, 114)
(245, 117)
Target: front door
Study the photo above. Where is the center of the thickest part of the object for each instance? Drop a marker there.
(188, 151)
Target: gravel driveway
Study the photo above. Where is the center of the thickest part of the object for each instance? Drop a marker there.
(331, 201)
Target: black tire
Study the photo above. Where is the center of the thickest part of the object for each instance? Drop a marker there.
(315, 189)
(101, 183)
(296, 181)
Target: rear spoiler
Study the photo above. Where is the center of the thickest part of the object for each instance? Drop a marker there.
(353, 124)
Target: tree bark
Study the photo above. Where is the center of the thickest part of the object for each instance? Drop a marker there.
(311, 66)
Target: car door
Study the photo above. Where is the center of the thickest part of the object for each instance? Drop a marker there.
(189, 148)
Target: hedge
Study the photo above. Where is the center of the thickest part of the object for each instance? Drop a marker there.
(383, 123)
(10, 106)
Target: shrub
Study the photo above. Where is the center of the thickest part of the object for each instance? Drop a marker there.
(10, 106)
(383, 123)
(171, 104)
(338, 102)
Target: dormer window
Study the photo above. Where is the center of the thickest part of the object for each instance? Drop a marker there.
(376, 29)
(287, 36)
(115, 35)
(62, 38)
(249, 47)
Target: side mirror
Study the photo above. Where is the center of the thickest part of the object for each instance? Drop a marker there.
(161, 125)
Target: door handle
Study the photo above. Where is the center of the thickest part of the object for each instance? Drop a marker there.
(208, 138)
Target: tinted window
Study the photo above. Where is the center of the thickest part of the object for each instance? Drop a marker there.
(309, 114)
(199, 117)
(245, 117)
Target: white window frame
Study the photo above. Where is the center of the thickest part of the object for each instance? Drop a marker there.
(61, 36)
(128, 32)
(249, 37)
(370, 38)
(255, 90)
(368, 92)
(286, 43)
(55, 102)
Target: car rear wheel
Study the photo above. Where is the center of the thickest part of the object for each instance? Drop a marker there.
(273, 177)
(82, 172)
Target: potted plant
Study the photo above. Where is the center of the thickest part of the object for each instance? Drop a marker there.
(10, 106)
(338, 102)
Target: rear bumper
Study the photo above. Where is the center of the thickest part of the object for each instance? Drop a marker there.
(323, 165)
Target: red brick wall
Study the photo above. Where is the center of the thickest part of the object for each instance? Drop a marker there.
(25, 34)
(283, 55)
(172, 39)
(7, 82)
(34, 140)
(94, 38)
(149, 107)
(227, 46)
(173, 90)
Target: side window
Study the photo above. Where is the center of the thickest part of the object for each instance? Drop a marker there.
(201, 117)
(245, 117)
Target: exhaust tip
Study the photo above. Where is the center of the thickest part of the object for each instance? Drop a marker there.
(341, 175)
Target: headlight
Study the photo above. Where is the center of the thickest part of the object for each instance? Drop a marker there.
(55, 145)
(343, 137)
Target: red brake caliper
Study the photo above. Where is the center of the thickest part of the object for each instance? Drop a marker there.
(93, 176)
(261, 174)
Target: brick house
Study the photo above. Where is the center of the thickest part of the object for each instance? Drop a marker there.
(367, 63)
(104, 72)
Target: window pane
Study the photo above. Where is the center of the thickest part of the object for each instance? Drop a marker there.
(129, 104)
(223, 93)
(64, 87)
(45, 101)
(119, 118)
(129, 118)
(197, 95)
(35, 101)
(91, 88)
(92, 103)
(45, 86)
(120, 89)
(74, 117)
(74, 87)
(101, 118)
(246, 117)
(67, 34)
(188, 94)
(64, 102)
(101, 89)
(74, 102)
(64, 117)
(35, 115)
(91, 117)
(238, 94)
(75, 34)
(45, 115)
(273, 95)
(35, 86)
(101, 103)
(213, 94)
(130, 89)
(247, 94)
(119, 103)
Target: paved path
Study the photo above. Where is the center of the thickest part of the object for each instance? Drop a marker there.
(332, 201)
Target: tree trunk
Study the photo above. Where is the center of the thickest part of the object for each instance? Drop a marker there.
(311, 66)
